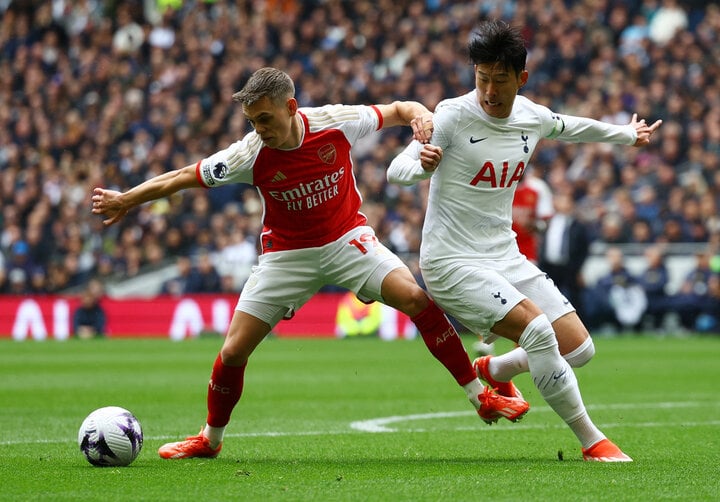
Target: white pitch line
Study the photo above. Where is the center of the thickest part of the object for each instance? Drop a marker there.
(380, 425)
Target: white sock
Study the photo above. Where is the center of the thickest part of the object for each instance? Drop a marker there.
(586, 431)
(473, 389)
(214, 435)
(505, 367)
(556, 380)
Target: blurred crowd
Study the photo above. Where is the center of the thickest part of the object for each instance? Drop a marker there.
(109, 93)
(639, 301)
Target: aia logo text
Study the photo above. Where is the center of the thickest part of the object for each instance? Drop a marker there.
(499, 176)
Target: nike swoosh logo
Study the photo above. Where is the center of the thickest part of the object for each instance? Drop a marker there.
(473, 140)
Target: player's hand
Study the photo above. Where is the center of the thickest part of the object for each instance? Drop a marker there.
(644, 131)
(430, 157)
(422, 127)
(108, 203)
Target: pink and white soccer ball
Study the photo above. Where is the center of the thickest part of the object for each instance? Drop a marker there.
(110, 437)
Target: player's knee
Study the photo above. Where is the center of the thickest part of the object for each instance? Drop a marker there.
(538, 335)
(417, 300)
(410, 300)
(231, 357)
(234, 353)
(582, 354)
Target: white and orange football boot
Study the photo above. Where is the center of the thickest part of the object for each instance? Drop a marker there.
(192, 447)
(605, 451)
(493, 406)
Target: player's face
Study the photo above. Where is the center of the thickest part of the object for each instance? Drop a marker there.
(274, 121)
(496, 88)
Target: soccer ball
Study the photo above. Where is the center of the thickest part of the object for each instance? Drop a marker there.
(110, 437)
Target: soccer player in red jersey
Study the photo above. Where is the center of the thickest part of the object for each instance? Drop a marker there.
(532, 206)
(314, 234)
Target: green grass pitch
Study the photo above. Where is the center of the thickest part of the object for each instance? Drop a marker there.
(356, 420)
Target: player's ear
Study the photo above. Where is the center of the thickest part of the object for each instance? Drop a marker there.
(292, 106)
(523, 78)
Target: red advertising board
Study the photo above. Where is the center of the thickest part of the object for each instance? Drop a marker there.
(50, 317)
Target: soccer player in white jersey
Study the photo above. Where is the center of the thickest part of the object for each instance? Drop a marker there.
(314, 234)
(481, 143)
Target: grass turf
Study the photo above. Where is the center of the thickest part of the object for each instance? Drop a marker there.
(356, 420)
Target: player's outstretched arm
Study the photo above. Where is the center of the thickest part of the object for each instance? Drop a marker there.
(644, 131)
(115, 205)
(409, 113)
(417, 162)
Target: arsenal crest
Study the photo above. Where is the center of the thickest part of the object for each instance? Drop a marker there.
(327, 153)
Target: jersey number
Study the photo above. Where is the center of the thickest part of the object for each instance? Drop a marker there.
(360, 242)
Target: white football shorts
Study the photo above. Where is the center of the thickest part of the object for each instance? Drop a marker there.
(479, 293)
(283, 281)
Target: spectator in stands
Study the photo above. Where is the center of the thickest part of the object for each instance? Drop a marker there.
(564, 249)
(18, 281)
(614, 229)
(58, 277)
(617, 300)
(104, 269)
(203, 278)
(178, 284)
(37, 281)
(237, 255)
(90, 319)
(695, 297)
(654, 280)
(667, 21)
(3, 273)
(709, 318)
(642, 232)
(228, 285)
(20, 258)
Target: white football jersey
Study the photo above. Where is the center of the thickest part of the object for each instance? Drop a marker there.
(469, 213)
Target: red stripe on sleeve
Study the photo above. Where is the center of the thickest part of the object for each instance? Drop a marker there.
(380, 117)
(197, 173)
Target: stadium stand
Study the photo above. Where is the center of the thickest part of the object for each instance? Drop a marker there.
(109, 93)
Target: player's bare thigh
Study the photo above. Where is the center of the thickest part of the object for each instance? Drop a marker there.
(570, 332)
(516, 320)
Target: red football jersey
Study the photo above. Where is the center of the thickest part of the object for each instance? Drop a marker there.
(524, 215)
(310, 195)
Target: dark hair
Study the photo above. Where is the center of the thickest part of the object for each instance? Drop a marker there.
(270, 82)
(498, 42)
